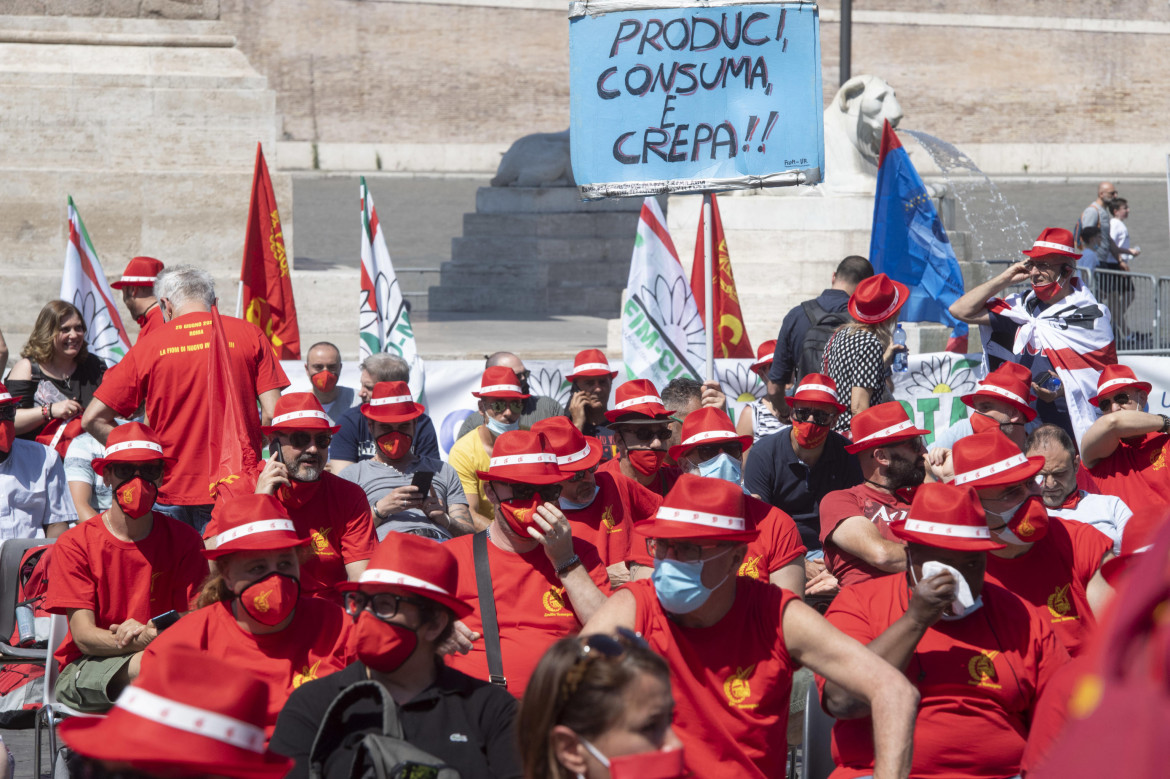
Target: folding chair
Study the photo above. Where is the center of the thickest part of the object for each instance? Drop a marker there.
(51, 711)
(11, 553)
(816, 747)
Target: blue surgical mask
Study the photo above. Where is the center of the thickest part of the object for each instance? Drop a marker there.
(679, 586)
(498, 427)
(568, 505)
(723, 466)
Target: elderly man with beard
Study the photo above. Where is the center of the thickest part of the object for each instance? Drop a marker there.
(326, 509)
(855, 523)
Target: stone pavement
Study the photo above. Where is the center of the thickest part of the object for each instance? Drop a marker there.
(20, 743)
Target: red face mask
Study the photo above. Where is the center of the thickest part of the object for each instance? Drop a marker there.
(1047, 292)
(646, 461)
(272, 599)
(7, 435)
(395, 445)
(324, 380)
(520, 514)
(658, 764)
(382, 646)
(136, 496)
(809, 434)
(1028, 525)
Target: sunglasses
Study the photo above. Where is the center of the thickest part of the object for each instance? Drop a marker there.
(8, 413)
(707, 451)
(383, 605)
(547, 492)
(647, 434)
(598, 647)
(498, 406)
(580, 475)
(684, 551)
(149, 471)
(301, 440)
(816, 416)
(1119, 400)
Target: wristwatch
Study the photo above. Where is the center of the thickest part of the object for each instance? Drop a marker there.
(567, 564)
(1165, 428)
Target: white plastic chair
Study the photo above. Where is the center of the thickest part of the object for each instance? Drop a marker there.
(51, 711)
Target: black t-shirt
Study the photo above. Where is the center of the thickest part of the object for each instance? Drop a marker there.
(80, 387)
(467, 723)
(780, 477)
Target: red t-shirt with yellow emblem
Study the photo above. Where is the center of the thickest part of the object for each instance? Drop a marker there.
(979, 678)
(607, 522)
(1053, 576)
(1137, 473)
(313, 645)
(880, 508)
(731, 681)
(331, 512)
(532, 609)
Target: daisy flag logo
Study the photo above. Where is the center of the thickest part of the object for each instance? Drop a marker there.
(84, 285)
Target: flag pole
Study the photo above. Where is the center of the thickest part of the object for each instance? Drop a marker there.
(708, 296)
(240, 300)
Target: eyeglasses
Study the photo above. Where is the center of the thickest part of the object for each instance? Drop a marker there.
(684, 551)
(816, 416)
(1048, 268)
(580, 475)
(1119, 400)
(149, 471)
(8, 413)
(647, 434)
(707, 451)
(548, 492)
(498, 406)
(300, 440)
(594, 647)
(383, 605)
(523, 375)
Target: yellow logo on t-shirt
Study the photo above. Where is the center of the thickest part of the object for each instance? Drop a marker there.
(1059, 605)
(738, 689)
(320, 542)
(554, 603)
(751, 567)
(607, 520)
(307, 674)
(982, 670)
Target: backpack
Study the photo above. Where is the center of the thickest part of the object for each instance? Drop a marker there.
(22, 685)
(824, 324)
(384, 755)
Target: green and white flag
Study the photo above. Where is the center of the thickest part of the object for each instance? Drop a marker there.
(83, 283)
(662, 333)
(382, 315)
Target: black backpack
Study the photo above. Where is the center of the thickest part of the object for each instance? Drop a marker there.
(824, 324)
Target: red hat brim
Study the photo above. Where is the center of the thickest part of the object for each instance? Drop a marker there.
(122, 284)
(504, 395)
(898, 528)
(460, 608)
(1036, 252)
(630, 417)
(969, 400)
(903, 297)
(1012, 475)
(586, 462)
(1144, 386)
(273, 541)
(591, 372)
(296, 425)
(665, 528)
(535, 479)
(904, 435)
(676, 452)
(792, 400)
(131, 456)
(370, 411)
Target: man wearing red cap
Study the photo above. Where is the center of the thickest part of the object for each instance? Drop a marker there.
(643, 436)
(331, 513)
(855, 522)
(137, 285)
(1052, 564)
(115, 574)
(32, 482)
(403, 607)
(532, 410)
(545, 584)
(1126, 449)
(591, 384)
(733, 643)
(1057, 329)
(323, 367)
(978, 655)
(440, 512)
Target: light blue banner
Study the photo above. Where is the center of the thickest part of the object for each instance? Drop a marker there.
(686, 99)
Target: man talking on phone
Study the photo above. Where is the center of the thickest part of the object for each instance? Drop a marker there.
(407, 493)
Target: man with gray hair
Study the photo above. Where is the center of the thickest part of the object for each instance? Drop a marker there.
(536, 407)
(353, 442)
(167, 371)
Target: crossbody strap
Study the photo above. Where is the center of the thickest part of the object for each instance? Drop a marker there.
(487, 610)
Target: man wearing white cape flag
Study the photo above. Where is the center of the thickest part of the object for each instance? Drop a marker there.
(83, 283)
(662, 333)
(1057, 328)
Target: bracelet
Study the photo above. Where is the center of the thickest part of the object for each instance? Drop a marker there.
(1165, 424)
(375, 512)
(44, 412)
(567, 564)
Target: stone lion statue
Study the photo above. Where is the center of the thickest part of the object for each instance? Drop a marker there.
(537, 160)
(853, 132)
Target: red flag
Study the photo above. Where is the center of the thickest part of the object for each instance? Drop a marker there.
(266, 288)
(229, 449)
(731, 338)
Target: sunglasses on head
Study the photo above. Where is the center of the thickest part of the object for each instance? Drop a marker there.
(580, 475)
(300, 440)
(816, 416)
(498, 406)
(548, 492)
(149, 471)
(595, 647)
(1119, 400)
(647, 434)
(707, 451)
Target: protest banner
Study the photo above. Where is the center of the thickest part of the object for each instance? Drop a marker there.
(680, 98)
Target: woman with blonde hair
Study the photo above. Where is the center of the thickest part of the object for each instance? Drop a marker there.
(57, 375)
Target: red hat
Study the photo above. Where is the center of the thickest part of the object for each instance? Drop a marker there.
(522, 457)
(1116, 378)
(6, 397)
(140, 272)
(1136, 539)
(591, 362)
(574, 450)
(1053, 242)
(946, 517)
(991, 460)
(877, 298)
(816, 388)
(1007, 385)
(392, 402)
(764, 356)
(702, 509)
(299, 411)
(639, 401)
(879, 425)
(500, 381)
(132, 442)
(707, 425)
(252, 523)
(981, 423)
(172, 717)
(415, 564)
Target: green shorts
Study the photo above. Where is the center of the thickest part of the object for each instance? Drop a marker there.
(84, 684)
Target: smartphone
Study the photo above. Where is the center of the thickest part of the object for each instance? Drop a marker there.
(165, 620)
(422, 480)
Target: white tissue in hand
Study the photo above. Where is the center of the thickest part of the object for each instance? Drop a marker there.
(963, 599)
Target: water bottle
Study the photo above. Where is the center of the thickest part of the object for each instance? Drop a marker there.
(1052, 384)
(26, 625)
(901, 359)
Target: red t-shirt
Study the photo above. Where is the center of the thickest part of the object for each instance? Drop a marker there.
(332, 513)
(663, 480)
(731, 681)
(880, 508)
(150, 321)
(1136, 472)
(532, 608)
(979, 678)
(119, 580)
(168, 370)
(1053, 576)
(607, 522)
(313, 645)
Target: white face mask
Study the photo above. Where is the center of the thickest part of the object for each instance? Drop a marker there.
(963, 604)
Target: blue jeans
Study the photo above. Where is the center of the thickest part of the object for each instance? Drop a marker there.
(196, 516)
